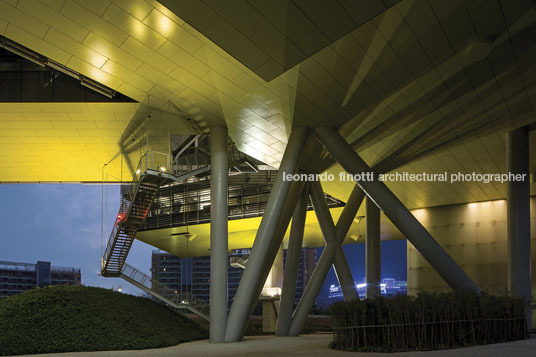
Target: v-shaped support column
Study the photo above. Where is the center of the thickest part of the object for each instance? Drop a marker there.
(292, 262)
(261, 256)
(401, 217)
(342, 269)
(333, 237)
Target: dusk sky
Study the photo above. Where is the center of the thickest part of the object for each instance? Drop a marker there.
(61, 223)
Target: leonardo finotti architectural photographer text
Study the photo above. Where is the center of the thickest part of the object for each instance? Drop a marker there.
(409, 177)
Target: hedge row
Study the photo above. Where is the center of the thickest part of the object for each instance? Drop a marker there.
(427, 321)
(77, 318)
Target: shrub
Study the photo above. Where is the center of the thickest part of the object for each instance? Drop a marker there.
(427, 321)
(77, 318)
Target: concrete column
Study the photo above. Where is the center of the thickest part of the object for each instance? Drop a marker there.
(372, 251)
(292, 263)
(218, 233)
(518, 192)
(401, 217)
(258, 264)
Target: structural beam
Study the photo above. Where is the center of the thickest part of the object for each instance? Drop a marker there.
(324, 263)
(401, 217)
(342, 269)
(328, 255)
(292, 262)
(218, 233)
(518, 193)
(259, 262)
(372, 251)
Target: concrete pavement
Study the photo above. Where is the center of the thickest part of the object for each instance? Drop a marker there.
(306, 345)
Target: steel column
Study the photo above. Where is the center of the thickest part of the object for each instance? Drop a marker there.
(319, 274)
(324, 263)
(290, 203)
(401, 217)
(218, 233)
(518, 193)
(348, 213)
(342, 269)
(292, 262)
(344, 274)
(293, 197)
(372, 250)
(258, 264)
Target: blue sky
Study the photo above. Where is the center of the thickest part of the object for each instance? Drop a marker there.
(62, 224)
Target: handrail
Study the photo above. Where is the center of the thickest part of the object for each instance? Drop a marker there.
(181, 300)
(126, 207)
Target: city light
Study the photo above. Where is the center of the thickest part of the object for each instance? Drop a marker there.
(389, 287)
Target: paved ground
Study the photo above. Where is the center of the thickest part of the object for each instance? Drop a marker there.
(307, 345)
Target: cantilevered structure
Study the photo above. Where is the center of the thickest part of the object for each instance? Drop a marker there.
(298, 87)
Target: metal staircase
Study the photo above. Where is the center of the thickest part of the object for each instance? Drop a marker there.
(160, 291)
(130, 217)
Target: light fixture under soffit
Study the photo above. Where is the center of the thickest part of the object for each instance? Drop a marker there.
(358, 219)
(61, 68)
(43, 61)
(88, 83)
(188, 235)
(23, 52)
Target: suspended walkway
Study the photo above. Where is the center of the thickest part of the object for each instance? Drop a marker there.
(190, 159)
(173, 298)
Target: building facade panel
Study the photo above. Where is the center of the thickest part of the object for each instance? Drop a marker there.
(18, 277)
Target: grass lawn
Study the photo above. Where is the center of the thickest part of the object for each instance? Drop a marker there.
(78, 318)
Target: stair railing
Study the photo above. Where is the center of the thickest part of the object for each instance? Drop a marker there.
(149, 160)
(179, 299)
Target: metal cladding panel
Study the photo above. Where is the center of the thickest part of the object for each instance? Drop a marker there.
(474, 235)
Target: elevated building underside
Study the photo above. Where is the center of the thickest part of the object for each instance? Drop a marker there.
(417, 95)
(412, 95)
(412, 86)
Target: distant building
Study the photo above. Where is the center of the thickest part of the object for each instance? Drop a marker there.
(192, 275)
(18, 277)
(389, 287)
(305, 269)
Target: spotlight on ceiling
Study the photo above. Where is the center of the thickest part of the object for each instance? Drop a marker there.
(187, 235)
(22, 51)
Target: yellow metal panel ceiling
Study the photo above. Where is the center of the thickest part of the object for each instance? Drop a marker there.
(414, 80)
